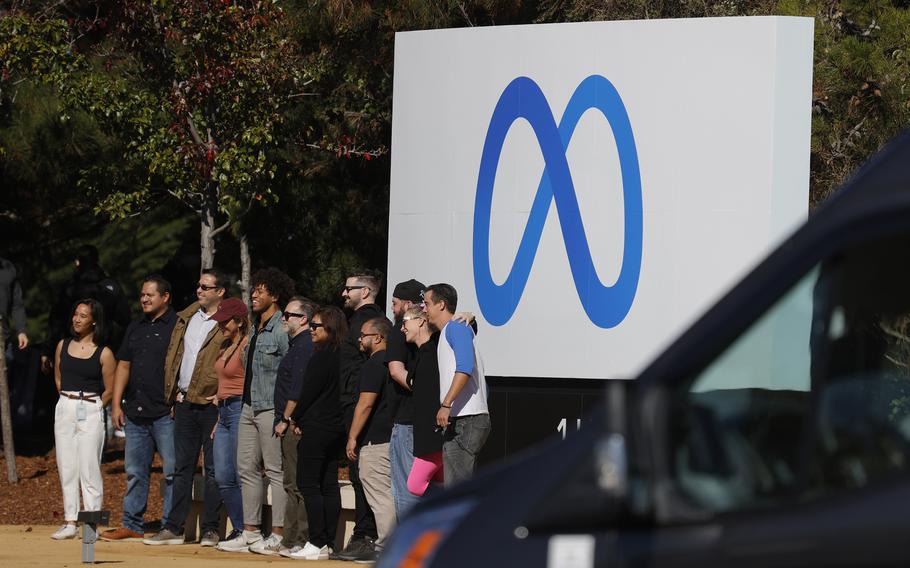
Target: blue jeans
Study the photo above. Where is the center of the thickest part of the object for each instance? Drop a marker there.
(143, 437)
(225, 450)
(401, 455)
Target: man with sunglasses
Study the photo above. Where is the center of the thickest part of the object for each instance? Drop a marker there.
(360, 292)
(371, 430)
(288, 387)
(189, 383)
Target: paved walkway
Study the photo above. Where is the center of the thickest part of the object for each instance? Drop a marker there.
(22, 545)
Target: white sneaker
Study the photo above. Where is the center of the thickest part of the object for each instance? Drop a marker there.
(65, 532)
(311, 552)
(241, 543)
(268, 546)
(287, 552)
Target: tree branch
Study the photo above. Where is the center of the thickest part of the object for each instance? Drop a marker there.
(465, 14)
(345, 150)
(224, 226)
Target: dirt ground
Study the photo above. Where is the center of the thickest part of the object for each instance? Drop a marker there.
(31, 546)
(37, 498)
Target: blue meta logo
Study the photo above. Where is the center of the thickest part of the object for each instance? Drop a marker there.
(606, 306)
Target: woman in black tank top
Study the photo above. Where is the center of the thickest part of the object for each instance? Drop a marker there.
(84, 374)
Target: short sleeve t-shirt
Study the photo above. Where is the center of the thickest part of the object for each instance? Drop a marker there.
(374, 377)
(403, 402)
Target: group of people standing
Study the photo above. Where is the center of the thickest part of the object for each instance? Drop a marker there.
(273, 399)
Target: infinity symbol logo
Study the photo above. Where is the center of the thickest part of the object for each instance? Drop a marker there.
(606, 306)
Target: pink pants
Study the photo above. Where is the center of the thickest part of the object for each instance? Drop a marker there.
(426, 468)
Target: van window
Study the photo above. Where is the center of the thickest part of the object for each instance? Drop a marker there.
(813, 399)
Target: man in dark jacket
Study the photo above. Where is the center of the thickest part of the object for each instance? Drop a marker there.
(360, 292)
(89, 281)
(11, 304)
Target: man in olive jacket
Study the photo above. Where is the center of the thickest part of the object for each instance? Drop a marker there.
(189, 383)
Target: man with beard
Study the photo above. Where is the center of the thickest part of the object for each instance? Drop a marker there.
(139, 406)
(190, 381)
(399, 358)
(371, 430)
(360, 292)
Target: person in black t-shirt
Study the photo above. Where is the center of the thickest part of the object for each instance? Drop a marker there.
(371, 430)
(423, 378)
(360, 292)
(399, 358)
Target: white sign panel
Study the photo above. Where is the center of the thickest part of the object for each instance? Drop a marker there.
(589, 189)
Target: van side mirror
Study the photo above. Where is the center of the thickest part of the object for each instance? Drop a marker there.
(594, 487)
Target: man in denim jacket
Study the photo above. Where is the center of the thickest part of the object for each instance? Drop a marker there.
(258, 448)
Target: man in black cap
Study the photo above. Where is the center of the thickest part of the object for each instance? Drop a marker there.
(399, 357)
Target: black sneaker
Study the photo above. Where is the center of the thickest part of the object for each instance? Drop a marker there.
(367, 557)
(355, 549)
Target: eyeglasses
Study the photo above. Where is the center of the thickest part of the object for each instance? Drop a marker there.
(362, 335)
(314, 325)
(204, 288)
(289, 315)
(349, 288)
(409, 318)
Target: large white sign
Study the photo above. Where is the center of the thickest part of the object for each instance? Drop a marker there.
(589, 189)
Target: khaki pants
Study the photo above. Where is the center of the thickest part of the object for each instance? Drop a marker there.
(376, 476)
(258, 449)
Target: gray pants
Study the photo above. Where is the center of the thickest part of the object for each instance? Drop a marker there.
(376, 476)
(258, 448)
(459, 452)
(296, 527)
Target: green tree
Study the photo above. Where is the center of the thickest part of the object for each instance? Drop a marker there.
(193, 90)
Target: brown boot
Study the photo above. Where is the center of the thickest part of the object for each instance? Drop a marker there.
(122, 533)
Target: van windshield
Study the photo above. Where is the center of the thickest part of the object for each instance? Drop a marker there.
(813, 398)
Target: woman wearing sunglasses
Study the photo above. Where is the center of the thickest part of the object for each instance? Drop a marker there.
(423, 377)
(317, 420)
(234, 322)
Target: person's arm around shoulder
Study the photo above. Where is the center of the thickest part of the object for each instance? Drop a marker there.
(108, 368)
(399, 373)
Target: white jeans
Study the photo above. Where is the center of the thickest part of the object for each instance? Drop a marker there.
(79, 446)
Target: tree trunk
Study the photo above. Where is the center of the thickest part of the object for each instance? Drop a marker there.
(9, 449)
(207, 239)
(245, 262)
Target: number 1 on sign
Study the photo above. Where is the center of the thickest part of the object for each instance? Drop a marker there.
(561, 427)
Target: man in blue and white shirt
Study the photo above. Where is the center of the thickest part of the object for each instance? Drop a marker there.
(463, 407)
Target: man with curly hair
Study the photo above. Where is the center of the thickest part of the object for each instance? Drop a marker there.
(258, 448)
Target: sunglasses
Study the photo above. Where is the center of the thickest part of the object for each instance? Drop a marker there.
(205, 288)
(314, 325)
(362, 335)
(289, 315)
(349, 288)
(409, 318)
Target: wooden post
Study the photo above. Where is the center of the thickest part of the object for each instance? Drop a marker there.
(9, 449)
